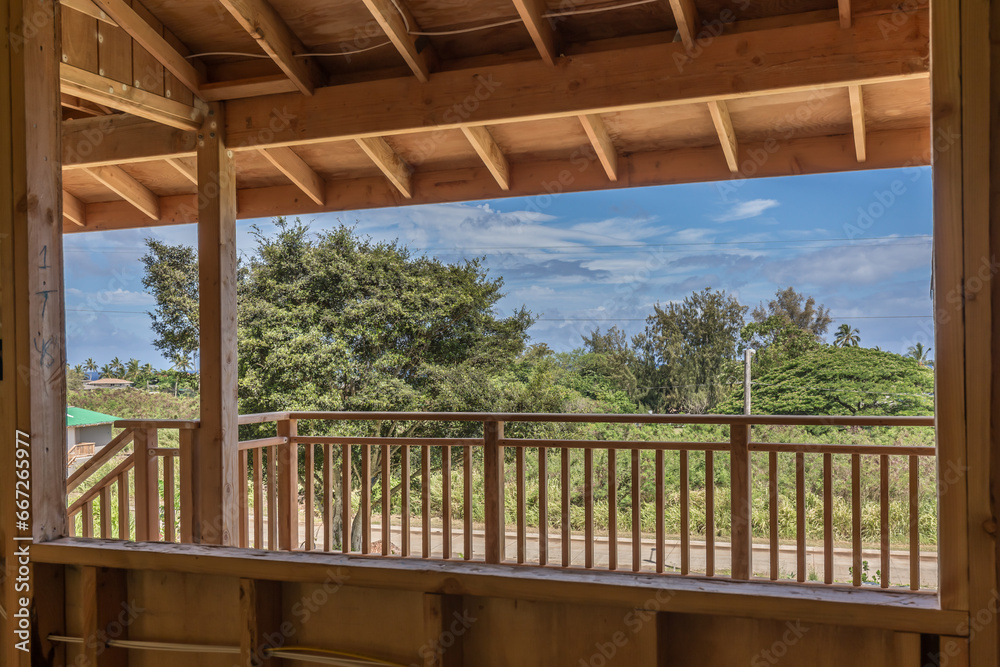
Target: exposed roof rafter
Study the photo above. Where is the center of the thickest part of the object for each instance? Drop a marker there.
(74, 210)
(532, 12)
(395, 20)
(392, 165)
(491, 154)
(727, 135)
(845, 13)
(186, 170)
(858, 120)
(298, 172)
(597, 132)
(688, 23)
(129, 189)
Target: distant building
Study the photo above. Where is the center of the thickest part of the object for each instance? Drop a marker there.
(107, 383)
(86, 432)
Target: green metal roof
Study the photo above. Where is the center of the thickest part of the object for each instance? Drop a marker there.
(81, 417)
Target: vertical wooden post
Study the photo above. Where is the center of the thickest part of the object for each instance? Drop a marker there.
(215, 458)
(32, 326)
(493, 464)
(445, 626)
(288, 487)
(147, 488)
(739, 475)
(188, 440)
(260, 615)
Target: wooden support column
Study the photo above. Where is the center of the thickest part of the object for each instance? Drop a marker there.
(147, 488)
(742, 537)
(106, 615)
(445, 625)
(288, 487)
(260, 617)
(215, 457)
(32, 329)
(493, 463)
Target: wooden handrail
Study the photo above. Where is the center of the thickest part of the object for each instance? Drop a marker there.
(157, 423)
(874, 450)
(92, 492)
(263, 442)
(94, 463)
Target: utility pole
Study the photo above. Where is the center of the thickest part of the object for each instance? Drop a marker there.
(746, 380)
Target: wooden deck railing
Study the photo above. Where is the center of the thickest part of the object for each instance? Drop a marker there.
(420, 515)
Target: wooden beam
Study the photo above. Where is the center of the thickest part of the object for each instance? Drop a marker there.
(858, 119)
(123, 97)
(260, 615)
(184, 169)
(121, 139)
(394, 167)
(844, 6)
(821, 605)
(129, 189)
(298, 172)
(803, 58)
(829, 154)
(267, 84)
(532, 12)
(277, 40)
(688, 22)
(215, 457)
(189, 72)
(74, 210)
(393, 18)
(724, 127)
(597, 132)
(491, 154)
(89, 8)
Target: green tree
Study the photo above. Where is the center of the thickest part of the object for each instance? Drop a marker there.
(847, 337)
(687, 352)
(797, 309)
(920, 354)
(171, 275)
(90, 365)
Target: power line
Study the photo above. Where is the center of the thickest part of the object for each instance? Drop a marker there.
(644, 319)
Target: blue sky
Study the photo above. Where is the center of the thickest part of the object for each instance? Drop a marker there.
(858, 242)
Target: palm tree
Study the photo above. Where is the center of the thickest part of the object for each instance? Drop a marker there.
(117, 367)
(846, 336)
(132, 368)
(182, 362)
(920, 354)
(106, 371)
(90, 365)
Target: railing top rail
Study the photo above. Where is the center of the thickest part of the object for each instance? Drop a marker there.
(779, 420)
(157, 423)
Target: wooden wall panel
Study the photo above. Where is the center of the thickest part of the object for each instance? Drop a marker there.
(79, 40)
(147, 72)
(114, 53)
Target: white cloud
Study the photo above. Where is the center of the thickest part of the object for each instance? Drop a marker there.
(747, 209)
(851, 265)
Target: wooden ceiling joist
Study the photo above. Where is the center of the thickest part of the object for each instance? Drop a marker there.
(491, 154)
(532, 13)
(129, 189)
(120, 139)
(631, 79)
(74, 210)
(727, 136)
(190, 73)
(597, 132)
(89, 8)
(123, 97)
(858, 120)
(688, 22)
(278, 41)
(298, 172)
(417, 52)
(392, 165)
(824, 154)
(845, 13)
(188, 171)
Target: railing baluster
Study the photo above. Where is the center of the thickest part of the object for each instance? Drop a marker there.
(739, 479)
(71, 524)
(187, 438)
(709, 513)
(147, 505)
(327, 497)
(106, 511)
(828, 518)
(446, 502)
(124, 529)
(493, 482)
(258, 501)
(288, 486)
(661, 545)
(567, 544)
(386, 501)
(914, 524)
(856, 516)
(272, 499)
(425, 500)
(310, 493)
(800, 517)
(522, 542)
(543, 506)
(366, 499)
(636, 543)
(884, 523)
(612, 509)
(244, 498)
(345, 501)
(404, 500)
(685, 514)
(168, 500)
(772, 506)
(88, 519)
(467, 502)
